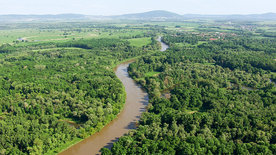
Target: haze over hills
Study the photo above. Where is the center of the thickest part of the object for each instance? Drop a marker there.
(151, 15)
(158, 15)
(22, 18)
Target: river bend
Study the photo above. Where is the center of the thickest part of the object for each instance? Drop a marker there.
(136, 102)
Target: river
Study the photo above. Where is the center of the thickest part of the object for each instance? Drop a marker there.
(164, 46)
(136, 103)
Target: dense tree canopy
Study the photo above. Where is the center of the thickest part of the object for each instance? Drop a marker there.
(212, 92)
(52, 93)
(213, 98)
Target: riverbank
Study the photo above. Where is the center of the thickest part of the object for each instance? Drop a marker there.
(136, 103)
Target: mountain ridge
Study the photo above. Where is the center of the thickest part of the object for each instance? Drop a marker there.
(150, 15)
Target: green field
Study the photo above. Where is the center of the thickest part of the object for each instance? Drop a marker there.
(151, 74)
(139, 42)
(64, 34)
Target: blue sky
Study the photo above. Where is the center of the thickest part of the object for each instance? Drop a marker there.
(117, 7)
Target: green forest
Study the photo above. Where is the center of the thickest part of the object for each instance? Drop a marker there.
(213, 91)
(207, 96)
(55, 93)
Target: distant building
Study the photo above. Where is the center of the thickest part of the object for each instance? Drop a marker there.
(212, 39)
(22, 39)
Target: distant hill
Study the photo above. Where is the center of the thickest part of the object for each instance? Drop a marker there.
(256, 17)
(151, 15)
(26, 18)
(158, 15)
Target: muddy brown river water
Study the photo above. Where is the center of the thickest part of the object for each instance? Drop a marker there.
(136, 103)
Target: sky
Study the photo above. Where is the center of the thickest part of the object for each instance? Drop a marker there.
(118, 7)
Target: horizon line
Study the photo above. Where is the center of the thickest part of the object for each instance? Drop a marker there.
(137, 13)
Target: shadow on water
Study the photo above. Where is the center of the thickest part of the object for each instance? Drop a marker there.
(125, 72)
(142, 110)
(131, 125)
(145, 100)
(110, 144)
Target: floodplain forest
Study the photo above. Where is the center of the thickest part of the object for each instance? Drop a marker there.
(211, 92)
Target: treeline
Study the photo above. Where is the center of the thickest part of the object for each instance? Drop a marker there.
(242, 53)
(95, 43)
(182, 38)
(198, 105)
